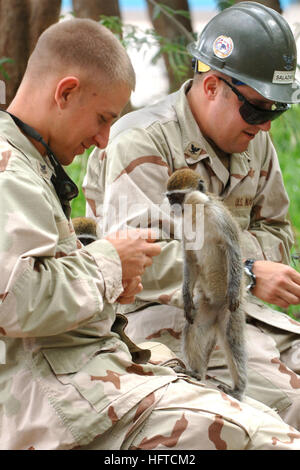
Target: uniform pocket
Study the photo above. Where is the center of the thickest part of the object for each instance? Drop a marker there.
(69, 360)
(105, 375)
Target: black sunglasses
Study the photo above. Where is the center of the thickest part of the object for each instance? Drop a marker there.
(253, 114)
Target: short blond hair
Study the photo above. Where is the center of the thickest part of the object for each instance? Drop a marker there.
(82, 44)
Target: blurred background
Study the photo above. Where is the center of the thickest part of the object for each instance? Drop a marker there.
(155, 77)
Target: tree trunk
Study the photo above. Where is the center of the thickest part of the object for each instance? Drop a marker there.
(14, 40)
(21, 23)
(165, 27)
(275, 4)
(43, 14)
(94, 8)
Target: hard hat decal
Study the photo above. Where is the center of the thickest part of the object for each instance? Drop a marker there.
(283, 76)
(201, 67)
(223, 47)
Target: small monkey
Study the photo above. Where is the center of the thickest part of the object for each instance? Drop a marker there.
(213, 287)
(85, 229)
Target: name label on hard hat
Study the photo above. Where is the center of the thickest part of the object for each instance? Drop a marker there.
(283, 76)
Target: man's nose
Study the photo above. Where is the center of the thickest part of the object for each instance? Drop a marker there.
(101, 139)
(265, 126)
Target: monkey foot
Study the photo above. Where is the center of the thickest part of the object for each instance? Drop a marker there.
(235, 393)
(191, 373)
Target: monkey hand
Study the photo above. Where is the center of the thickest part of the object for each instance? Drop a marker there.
(188, 307)
(233, 304)
(190, 313)
(188, 303)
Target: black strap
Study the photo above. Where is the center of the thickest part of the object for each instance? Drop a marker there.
(65, 188)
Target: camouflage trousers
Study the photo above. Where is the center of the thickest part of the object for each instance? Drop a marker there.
(273, 357)
(186, 415)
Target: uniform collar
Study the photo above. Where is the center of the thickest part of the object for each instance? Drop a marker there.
(193, 141)
(11, 133)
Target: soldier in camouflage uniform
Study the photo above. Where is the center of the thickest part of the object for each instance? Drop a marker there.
(69, 376)
(207, 127)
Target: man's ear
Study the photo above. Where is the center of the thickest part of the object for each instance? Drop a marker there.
(210, 86)
(65, 90)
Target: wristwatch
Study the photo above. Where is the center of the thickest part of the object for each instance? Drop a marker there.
(248, 265)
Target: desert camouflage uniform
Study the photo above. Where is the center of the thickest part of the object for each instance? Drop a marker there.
(125, 184)
(67, 377)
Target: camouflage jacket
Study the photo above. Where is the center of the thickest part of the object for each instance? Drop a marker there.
(61, 355)
(126, 182)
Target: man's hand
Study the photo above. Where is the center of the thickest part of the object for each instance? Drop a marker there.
(131, 289)
(276, 283)
(136, 249)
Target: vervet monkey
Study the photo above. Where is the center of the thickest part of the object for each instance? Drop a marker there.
(85, 229)
(213, 287)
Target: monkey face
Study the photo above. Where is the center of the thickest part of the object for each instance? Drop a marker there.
(176, 197)
(181, 183)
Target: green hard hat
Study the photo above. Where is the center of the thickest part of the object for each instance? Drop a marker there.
(253, 44)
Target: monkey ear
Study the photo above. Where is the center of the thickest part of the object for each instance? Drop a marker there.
(201, 186)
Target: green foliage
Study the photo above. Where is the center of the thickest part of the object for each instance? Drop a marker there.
(161, 8)
(222, 4)
(114, 23)
(4, 60)
(286, 137)
(134, 37)
(77, 171)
